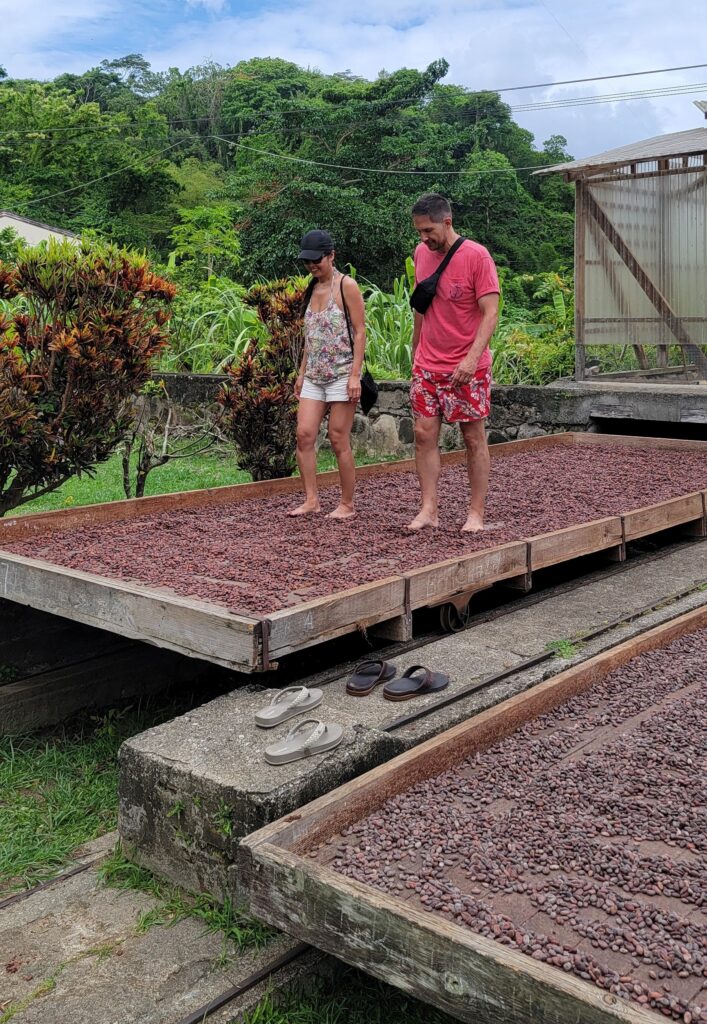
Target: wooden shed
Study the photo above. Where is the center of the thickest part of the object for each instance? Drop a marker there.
(641, 256)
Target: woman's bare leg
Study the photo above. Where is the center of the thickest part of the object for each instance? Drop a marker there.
(309, 419)
(341, 419)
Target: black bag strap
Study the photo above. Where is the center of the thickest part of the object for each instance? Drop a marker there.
(445, 262)
(348, 320)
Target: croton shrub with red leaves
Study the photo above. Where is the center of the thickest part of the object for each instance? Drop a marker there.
(80, 326)
(258, 400)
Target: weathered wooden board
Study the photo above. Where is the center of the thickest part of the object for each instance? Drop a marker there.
(482, 568)
(636, 441)
(575, 541)
(663, 515)
(324, 618)
(474, 979)
(166, 620)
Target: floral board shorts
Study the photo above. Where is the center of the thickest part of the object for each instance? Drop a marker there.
(433, 394)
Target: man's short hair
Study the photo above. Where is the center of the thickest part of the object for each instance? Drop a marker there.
(432, 205)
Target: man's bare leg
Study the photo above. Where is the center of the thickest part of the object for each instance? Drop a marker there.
(341, 419)
(427, 462)
(478, 464)
(309, 419)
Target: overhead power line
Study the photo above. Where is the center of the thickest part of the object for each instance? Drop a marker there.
(380, 102)
(598, 78)
(110, 174)
(582, 101)
(379, 170)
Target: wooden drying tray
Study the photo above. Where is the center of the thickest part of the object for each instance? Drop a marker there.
(473, 978)
(204, 630)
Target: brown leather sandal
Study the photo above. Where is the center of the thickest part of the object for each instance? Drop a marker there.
(414, 682)
(367, 676)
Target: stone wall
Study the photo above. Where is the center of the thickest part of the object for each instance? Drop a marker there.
(516, 412)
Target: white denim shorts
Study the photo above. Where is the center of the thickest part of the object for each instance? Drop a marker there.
(334, 391)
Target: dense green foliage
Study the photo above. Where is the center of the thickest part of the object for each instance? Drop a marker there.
(210, 165)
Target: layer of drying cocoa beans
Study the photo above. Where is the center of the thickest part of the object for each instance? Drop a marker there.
(252, 558)
(580, 840)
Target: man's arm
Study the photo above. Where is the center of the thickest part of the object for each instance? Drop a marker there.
(488, 304)
(416, 328)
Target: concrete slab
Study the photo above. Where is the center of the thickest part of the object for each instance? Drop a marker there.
(72, 952)
(190, 789)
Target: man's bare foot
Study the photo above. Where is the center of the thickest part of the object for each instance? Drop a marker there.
(342, 512)
(474, 523)
(424, 520)
(305, 509)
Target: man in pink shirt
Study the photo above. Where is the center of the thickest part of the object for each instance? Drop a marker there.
(451, 376)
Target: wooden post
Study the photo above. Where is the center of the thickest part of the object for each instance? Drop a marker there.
(580, 272)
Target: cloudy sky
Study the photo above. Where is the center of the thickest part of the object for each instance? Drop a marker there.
(489, 44)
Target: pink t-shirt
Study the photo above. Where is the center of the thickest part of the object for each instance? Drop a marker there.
(452, 319)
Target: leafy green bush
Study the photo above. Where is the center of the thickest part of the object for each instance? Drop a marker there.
(81, 343)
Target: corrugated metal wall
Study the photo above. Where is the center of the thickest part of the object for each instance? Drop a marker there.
(663, 221)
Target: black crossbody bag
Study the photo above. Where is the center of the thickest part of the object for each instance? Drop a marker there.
(426, 289)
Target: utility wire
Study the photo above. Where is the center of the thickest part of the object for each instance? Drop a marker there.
(363, 99)
(94, 181)
(379, 170)
(598, 78)
(582, 101)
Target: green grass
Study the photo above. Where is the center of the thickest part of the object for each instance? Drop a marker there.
(173, 904)
(211, 469)
(59, 791)
(563, 648)
(206, 470)
(350, 998)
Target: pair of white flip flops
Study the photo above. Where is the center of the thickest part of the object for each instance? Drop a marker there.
(310, 736)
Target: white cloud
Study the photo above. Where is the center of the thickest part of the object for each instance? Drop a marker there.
(214, 6)
(488, 45)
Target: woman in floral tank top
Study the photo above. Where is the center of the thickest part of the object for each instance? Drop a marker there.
(330, 373)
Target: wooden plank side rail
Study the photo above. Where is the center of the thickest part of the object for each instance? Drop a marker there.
(575, 541)
(472, 978)
(193, 628)
(292, 629)
(661, 516)
(455, 575)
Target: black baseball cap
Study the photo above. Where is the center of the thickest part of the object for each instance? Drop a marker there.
(315, 244)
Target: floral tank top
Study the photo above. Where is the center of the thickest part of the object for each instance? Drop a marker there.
(326, 336)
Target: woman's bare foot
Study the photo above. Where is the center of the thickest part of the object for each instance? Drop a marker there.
(305, 509)
(342, 511)
(474, 523)
(424, 520)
